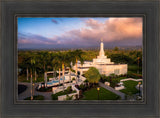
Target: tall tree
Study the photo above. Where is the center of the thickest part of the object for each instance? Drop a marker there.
(77, 55)
(35, 57)
(35, 66)
(63, 57)
(93, 75)
(69, 61)
(32, 66)
(44, 56)
(56, 64)
(26, 62)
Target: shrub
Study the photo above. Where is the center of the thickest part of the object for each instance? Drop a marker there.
(103, 78)
(86, 80)
(69, 89)
(112, 75)
(114, 82)
(54, 97)
(69, 97)
(82, 87)
(73, 70)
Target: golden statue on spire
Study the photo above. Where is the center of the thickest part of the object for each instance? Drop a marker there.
(101, 39)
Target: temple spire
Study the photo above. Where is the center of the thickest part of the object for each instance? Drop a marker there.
(101, 53)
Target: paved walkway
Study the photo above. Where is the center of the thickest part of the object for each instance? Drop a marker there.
(27, 92)
(122, 95)
(137, 80)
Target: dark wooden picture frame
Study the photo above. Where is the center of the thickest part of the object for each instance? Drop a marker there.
(146, 9)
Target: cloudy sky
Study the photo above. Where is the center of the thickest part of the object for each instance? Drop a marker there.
(48, 33)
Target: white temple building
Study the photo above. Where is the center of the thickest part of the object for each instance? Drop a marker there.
(103, 64)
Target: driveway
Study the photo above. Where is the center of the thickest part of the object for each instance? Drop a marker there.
(27, 92)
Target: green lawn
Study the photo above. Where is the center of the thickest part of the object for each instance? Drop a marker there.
(104, 94)
(38, 97)
(130, 87)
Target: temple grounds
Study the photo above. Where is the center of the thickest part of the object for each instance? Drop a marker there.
(66, 76)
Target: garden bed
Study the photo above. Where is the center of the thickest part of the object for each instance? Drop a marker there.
(65, 92)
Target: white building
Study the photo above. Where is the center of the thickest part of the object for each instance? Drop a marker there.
(103, 64)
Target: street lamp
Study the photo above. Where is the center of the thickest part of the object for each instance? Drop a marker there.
(139, 83)
(98, 88)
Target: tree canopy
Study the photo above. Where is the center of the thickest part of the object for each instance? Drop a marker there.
(93, 75)
(47, 60)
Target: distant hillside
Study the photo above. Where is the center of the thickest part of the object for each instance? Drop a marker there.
(89, 48)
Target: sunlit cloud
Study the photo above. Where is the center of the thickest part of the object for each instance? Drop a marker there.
(120, 30)
(114, 31)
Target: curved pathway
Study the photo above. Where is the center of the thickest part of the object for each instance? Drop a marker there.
(27, 92)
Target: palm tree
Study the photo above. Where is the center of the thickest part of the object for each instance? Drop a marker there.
(44, 56)
(59, 75)
(63, 57)
(35, 58)
(138, 64)
(69, 61)
(56, 62)
(35, 66)
(31, 86)
(77, 55)
(63, 70)
(35, 73)
(26, 63)
(32, 66)
(27, 73)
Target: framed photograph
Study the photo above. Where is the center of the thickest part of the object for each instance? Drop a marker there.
(64, 65)
(80, 59)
